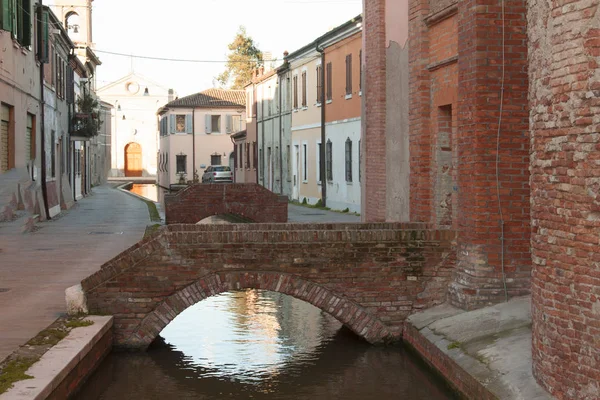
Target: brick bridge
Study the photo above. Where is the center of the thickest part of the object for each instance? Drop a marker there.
(368, 276)
(247, 200)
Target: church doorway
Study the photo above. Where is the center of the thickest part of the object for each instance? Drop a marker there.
(133, 159)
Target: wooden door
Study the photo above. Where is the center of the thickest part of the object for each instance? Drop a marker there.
(133, 160)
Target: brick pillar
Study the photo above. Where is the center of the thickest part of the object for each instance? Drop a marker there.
(374, 112)
(479, 278)
(419, 114)
(565, 187)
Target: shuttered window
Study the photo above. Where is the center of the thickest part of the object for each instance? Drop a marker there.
(329, 82)
(181, 164)
(329, 160)
(295, 92)
(361, 71)
(304, 89)
(349, 74)
(30, 138)
(319, 84)
(348, 160)
(4, 142)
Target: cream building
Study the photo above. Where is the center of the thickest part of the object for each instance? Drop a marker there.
(195, 132)
(134, 141)
(306, 124)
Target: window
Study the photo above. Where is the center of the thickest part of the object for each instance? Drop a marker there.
(348, 160)
(180, 123)
(181, 164)
(349, 75)
(215, 159)
(255, 160)
(304, 89)
(319, 84)
(260, 170)
(52, 154)
(360, 73)
(359, 162)
(289, 159)
(6, 149)
(319, 158)
(241, 156)
(304, 163)
(15, 17)
(30, 139)
(329, 160)
(216, 123)
(236, 122)
(295, 92)
(247, 155)
(329, 82)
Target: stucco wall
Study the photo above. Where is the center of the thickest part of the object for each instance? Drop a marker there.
(342, 194)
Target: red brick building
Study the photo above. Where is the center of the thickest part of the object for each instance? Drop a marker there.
(564, 43)
(503, 150)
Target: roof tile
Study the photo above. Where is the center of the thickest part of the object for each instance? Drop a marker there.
(212, 98)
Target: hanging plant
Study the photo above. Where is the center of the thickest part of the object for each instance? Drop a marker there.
(86, 122)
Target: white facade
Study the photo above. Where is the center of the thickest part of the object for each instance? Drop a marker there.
(134, 122)
(344, 191)
(211, 143)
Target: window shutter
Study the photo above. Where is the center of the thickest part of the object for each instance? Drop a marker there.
(6, 17)
(189, 128)
(172, 123)
(349, 73)
(228, 123)
(208, 122)
(26, 42)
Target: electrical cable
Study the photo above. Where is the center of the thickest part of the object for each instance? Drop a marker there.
(498, 152)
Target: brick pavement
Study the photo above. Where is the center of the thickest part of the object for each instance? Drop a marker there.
(36, 268)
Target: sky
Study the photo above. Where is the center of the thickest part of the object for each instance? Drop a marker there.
(201, 30)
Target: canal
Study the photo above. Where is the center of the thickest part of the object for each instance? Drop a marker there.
(257, 344)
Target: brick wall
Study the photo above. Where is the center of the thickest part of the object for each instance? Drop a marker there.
(247, 200)
(565, 184)
(369, 276)
(374, 112)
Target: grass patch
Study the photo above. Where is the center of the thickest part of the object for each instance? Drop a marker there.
(48, 337)
(153, 211)
(454, 345)
(79, 323)
(150, 229)
(14, 372)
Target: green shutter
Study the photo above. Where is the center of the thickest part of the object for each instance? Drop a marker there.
(43, 35)
(7, 14)
(26, 40)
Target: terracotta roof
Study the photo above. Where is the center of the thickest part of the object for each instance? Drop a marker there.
(212, 98)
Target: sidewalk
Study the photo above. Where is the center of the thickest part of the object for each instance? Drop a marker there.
(492, 345)
(307, 214)
(36, 268)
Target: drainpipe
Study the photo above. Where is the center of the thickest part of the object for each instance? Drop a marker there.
(323, 143)
(280, 139)
(193, 145)
(43, 125)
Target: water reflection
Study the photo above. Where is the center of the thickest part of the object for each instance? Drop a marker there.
(256, 344)
(149, 191)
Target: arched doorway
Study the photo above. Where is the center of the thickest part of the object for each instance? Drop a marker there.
(133, 159)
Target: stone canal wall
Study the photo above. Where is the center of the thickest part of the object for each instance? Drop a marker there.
(64, 368)
(369, 276)
(246, 200)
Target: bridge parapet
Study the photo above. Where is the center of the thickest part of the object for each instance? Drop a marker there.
(368, 276)
(247, 200)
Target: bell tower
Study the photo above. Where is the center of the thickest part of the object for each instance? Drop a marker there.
(76, 16)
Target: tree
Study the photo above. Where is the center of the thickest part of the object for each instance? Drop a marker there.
(244, 56)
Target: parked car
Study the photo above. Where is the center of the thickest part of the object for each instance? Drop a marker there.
(217, 173)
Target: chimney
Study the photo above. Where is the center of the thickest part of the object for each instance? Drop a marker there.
(171, 95)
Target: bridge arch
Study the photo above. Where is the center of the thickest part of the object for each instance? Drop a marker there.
(349, 313)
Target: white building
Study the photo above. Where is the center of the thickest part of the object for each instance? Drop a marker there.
(134, 124)
(195, 132)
